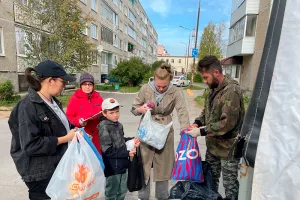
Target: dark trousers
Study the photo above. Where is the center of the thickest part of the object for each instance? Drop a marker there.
(37, 189)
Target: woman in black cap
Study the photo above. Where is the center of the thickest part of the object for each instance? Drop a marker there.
(40, 129)
(85, 104)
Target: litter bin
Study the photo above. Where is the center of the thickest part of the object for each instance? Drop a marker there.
(117, 87)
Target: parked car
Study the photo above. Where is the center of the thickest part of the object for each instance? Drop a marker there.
(180, 81)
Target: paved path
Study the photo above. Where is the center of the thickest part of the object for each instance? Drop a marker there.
(11, 185)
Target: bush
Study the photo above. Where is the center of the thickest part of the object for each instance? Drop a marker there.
(197, 77)
(6, 91)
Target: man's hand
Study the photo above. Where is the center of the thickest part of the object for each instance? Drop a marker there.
(194, 125)
(195, 132)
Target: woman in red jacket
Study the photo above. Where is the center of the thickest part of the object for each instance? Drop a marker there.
(83, 104)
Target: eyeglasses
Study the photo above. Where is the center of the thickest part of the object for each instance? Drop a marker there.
(61, 80)
(87, 84)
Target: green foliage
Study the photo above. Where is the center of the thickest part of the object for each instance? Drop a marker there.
(210, 42)
(64, 99)
(7, 94)
(57, 33)
(156, 64)
(197, 77)
(131, 72)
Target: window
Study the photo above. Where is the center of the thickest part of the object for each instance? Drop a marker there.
(125, 10)
(104, 58)
(106, 12)
(107, 35)
(130, 47)
(1, 42)
(116, 60)
(251, 25)
(125, 28)
(172, 60)
(132, 17)
(121, 25)
(83, 1)
(144, 43)
(125, 46)
(94, 33)
(167, 61)
(116, 2)
(121, 5)
(131, 32)
(24, 2)
(236, 32)
(94, 5)
(22, 41)
(179, 61)
(94, 56)
(115, 19)
(121, 44)
(116, 42)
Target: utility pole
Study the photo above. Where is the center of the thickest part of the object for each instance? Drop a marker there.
(197, 26)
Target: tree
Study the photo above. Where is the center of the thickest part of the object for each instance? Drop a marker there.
(156, 64)
(56, 33)
(210, 41)
(131, 72)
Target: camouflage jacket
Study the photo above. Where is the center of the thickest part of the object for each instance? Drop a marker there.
(222, 115)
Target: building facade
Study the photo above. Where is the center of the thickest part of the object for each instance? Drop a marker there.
(120, 30)
(247, 33)
(161, 51)
(180, 64)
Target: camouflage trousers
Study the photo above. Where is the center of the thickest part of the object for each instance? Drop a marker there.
(229, 170)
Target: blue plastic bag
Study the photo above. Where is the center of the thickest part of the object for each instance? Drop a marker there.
(89, 141)
(188, 163)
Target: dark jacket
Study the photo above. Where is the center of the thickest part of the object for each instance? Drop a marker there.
(113, 146)
(35, 129)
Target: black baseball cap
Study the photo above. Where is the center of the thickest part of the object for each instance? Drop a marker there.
(49, 68)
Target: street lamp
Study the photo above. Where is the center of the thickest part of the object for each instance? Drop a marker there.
(188, 53)
(186, 66)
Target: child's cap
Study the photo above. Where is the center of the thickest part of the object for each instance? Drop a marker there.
(109, 104)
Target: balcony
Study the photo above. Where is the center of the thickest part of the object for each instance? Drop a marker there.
(247, 7)
(242, 47)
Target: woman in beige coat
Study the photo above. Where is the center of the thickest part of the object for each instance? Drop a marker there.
(166, 98)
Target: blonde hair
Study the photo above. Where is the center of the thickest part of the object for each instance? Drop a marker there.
(163, 72)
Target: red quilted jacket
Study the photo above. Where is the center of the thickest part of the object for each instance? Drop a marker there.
(82, 105)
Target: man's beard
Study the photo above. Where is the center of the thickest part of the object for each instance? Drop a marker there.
(214, 84)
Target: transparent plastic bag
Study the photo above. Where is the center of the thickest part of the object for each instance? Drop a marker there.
(153, 133)
(79, 175)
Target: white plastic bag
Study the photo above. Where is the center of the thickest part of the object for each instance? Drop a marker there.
(153, 133)
(79, 175)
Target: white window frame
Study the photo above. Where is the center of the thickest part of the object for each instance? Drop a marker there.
(96, 31)
(2, 52)
(104, 58)
(115, 18)
(116, 40)
(116, 2)
(131, 32)
(94, 5)
(94, 57)
(85, 30)
(131, 16)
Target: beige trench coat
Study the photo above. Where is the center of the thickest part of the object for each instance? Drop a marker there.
(162, 160)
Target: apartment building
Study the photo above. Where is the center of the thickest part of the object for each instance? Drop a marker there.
(247, 33)
(180, 64)
(121, 29)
